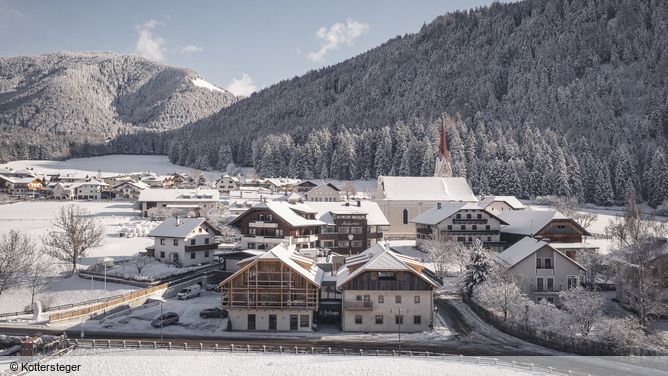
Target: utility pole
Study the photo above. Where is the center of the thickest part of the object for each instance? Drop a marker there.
(400, 320)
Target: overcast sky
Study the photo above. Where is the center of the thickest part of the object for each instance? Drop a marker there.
(239, 45)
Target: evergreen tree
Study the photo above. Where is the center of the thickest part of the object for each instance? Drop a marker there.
(383, 157)
(658, 179)
(477, 270)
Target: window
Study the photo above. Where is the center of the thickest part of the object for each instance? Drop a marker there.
(548, 263)
(193, 241)
(293, 322)
(200, 229)
(461, 239)
(344, 230)
(470, 239)
(399, 319)
(358, 298)
(381, 299)
(192, 255)
(463, 227)
(572, 281)
(449, 227)
(479, 216)
(550, 300)
(379, 319)
(458, 216)
(358, 319)
(206, 240)
(304, 321)
(356, 230)
(206, 253)
(538, 263)
(417, 320)
(162, 241)
(387, 276)
(539, 284)
(474, 227)
(397, 299)
(343, 243)
(550, 284)
(405, 217)
(468, 216)
(250, 245)
(416, 299)
(487, 227)
(162, 254)
(176, 241)
(356, 243)
(279, 232)
(251, 231)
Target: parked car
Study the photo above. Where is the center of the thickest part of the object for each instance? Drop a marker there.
(214, 312)
(188, 292)
(165, 319)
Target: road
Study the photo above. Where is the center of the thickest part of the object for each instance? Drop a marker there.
(470, 336)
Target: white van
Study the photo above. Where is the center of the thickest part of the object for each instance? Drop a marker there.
(188, 292)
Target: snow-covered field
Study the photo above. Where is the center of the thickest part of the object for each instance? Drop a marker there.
(179, 362)
(106, 165)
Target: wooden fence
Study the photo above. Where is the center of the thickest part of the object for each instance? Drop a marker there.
(107, 304)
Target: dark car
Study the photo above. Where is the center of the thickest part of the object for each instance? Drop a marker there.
(165, 319)
(214, 312)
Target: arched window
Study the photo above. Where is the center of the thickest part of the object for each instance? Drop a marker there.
(405, 216)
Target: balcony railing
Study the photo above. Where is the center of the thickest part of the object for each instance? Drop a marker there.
(462, 221)
(201, 247)
(358, 306)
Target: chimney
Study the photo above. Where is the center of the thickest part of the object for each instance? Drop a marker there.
(438, 205)
(178, 221)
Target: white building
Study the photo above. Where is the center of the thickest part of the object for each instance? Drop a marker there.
(324, 192)
(83, 190)
(543, 270)
(227, 183)
(461, 222)
(498, 204)
(180, 200)
(129, 189)
(404, 197)
(184, 241)
(382, 290)
(275, 290)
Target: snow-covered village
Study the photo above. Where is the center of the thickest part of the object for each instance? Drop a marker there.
(367, 216)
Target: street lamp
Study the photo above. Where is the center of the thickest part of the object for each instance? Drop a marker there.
(162, 321)
(83, 321)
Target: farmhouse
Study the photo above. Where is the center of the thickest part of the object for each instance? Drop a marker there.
(498, 204)
(184, 241)
(324, 192)
(179, 200)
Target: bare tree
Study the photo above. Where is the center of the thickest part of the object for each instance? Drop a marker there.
(140, 261)
(16, 250)
(568, 206)
(349, 190)
(229, 234)
(219, 216)
(40, 274)
(593, 261)
(160, 213)
(76, 232)
(500, 291)
(438, 255)
(640, 242)
(584, 308)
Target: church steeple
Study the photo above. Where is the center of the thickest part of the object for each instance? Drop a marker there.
(443, 168)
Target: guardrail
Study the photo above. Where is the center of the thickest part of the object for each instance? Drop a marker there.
(59, 307)
(300, 350)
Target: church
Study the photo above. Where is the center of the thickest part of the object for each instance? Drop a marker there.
(401, 198)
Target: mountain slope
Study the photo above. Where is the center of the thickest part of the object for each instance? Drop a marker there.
(50, 101)
(578, 67)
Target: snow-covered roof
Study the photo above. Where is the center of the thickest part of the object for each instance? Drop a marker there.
(426, 188)
(281, 182)
(436, 215)
(512, 201)
(192, 195)
(178, 227)
(288, 257)
(525, 248)
(288, 212)
(374, 215)
(15, 180)
(529, 222)
(137, 184)
(379, 258)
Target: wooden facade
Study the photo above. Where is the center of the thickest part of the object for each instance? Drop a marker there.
(557, 230)
(387, 280)
(269, 284)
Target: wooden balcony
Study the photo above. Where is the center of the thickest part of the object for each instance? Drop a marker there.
(201, 247)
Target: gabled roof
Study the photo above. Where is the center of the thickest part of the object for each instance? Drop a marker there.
(137, 184)
(379, 258)
(286, 256)
(426, 188)
(190, 195)
(286, 211)
(374, 215)
(324, 184)
(512, 201)
(525, 248)
(170, 229)
(529, 222)
(435, 215)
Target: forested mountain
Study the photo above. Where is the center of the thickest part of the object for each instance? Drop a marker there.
(51, 104)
